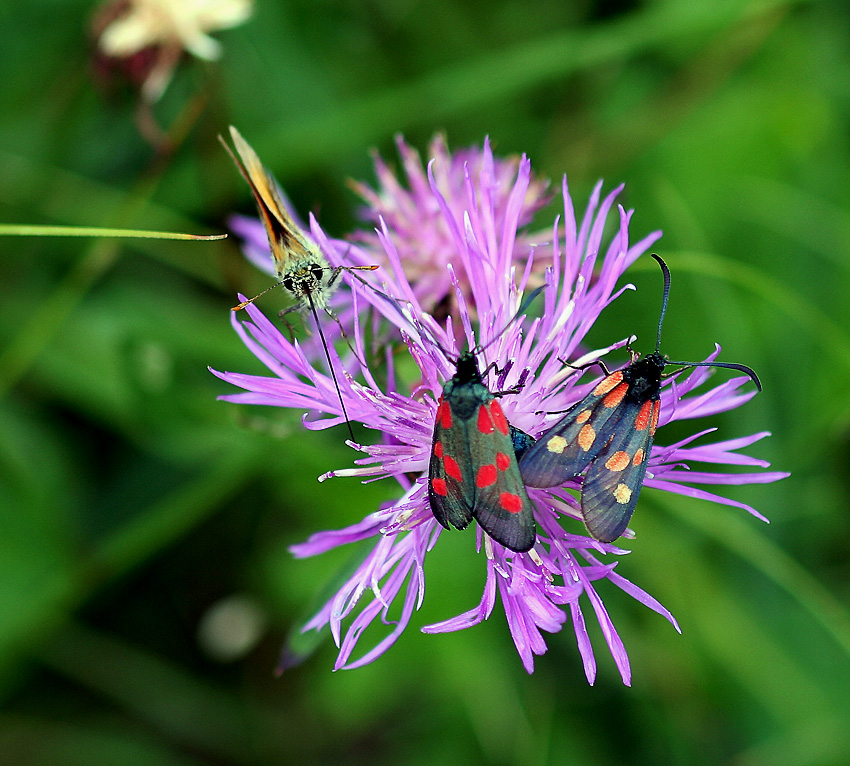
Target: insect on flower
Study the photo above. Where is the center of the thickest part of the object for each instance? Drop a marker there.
(301, 268)
(608, 436)
(561, 583)
(473, 472)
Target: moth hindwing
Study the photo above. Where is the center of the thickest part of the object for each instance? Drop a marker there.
(473, 472)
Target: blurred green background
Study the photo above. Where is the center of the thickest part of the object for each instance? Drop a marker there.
(134, 506)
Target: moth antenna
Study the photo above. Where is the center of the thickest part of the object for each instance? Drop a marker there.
(729, 366)
(330, 364)
(258, 295)
(666, 272)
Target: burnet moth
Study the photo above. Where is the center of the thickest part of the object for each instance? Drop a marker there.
(301, 268)
(473, 472)
(607, 437)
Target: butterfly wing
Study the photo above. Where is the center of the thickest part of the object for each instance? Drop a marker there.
(262, 183)
(615, 476)
(285, 239)
(449, 488)
(502, 506)
(473, 472)
(566, 449)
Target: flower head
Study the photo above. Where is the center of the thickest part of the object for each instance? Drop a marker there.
(487, 272)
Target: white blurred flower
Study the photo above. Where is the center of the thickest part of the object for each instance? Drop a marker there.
(170, 27)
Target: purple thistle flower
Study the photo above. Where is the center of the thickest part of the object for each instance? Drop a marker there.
(487, 266)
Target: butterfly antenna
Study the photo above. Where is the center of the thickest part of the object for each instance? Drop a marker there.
(258, 295)
(666, 272)
(729, 366)
(330, 364)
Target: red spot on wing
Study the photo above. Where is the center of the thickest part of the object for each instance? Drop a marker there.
(439, 486)
(485, 420)
(499, 419)
(444, 414)
(486, 476)
(656, 411)
(452, 468)
(510, 502)
(612, 381)
(502, 461)
(616, 396)
(642, 420)
(638, 459)
(438, 449)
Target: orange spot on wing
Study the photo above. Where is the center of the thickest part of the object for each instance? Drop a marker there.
(510, 502)
(612, 381)
(499, 419)
(638, 458)
(642, 420)
(439, 487)
(502, 461)
(452, 468)
(583, 416)
(486, 476)
(586, 437)
(616, 396)
(618, 461)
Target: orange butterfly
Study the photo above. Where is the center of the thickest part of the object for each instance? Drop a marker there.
(301, 267)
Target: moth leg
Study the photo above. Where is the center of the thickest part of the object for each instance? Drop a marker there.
(595, 362)
(577, 367)
(502, 372)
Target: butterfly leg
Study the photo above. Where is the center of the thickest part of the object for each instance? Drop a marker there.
(344, 335)
(335, 272)
(289, 328)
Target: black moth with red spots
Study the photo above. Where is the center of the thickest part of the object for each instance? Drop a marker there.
(608, 436)
(473, 473)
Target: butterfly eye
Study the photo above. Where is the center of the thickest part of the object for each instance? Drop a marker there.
(316, 271)
(289, 283)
